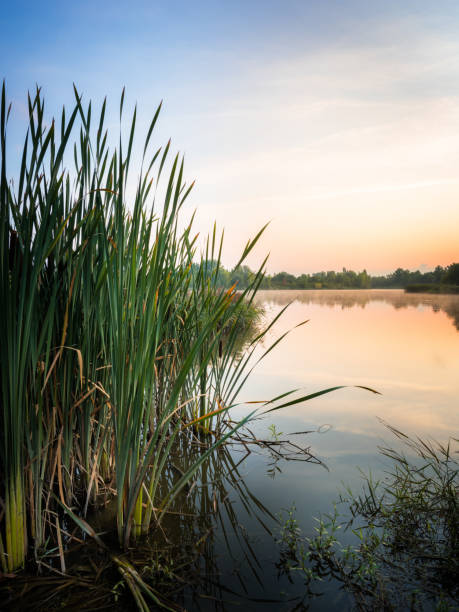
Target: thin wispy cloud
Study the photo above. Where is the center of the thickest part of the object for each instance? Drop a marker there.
(383, 188)
(335, 120)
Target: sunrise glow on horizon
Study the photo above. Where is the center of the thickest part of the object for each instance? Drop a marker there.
(336, 122)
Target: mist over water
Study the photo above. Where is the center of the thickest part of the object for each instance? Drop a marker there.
(351, 298)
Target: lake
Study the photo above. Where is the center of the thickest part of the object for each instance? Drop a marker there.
(223, 532)
(405, 346)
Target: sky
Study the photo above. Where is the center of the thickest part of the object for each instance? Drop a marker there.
(335, 121)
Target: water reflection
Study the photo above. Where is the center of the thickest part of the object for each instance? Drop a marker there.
(402, 345)
(231, 527)
(343, 299)
(219, 552)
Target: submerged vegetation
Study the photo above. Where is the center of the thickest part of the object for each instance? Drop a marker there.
(405, 553)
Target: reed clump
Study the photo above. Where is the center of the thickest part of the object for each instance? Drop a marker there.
(117, 343)
(112, 350)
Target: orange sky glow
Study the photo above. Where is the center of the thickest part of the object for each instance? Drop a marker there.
(336, 122)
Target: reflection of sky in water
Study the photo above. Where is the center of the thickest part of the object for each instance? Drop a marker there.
(402, 345)
(405, 346)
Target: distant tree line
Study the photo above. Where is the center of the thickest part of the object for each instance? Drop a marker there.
(346, 279)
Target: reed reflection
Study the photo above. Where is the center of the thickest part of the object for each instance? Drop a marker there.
(211, 558)
(216, 520)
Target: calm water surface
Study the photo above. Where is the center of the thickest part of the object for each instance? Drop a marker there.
(404, 346)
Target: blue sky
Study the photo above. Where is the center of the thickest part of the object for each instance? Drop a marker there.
(336, 121)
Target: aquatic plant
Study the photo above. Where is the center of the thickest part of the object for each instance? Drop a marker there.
(175, 564)
(108, 342)
(405, 529)
(116, 345)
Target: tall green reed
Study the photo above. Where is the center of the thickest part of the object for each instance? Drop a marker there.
(114, 343)
(108, 340)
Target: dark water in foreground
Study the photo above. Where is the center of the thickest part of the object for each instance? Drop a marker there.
(404, 346)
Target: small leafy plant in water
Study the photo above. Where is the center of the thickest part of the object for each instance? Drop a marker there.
(405, 550)
(274, 433)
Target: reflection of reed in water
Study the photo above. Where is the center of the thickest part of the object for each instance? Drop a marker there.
(200, 558)
(211, 516)
(205, 521)
(449, 304)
